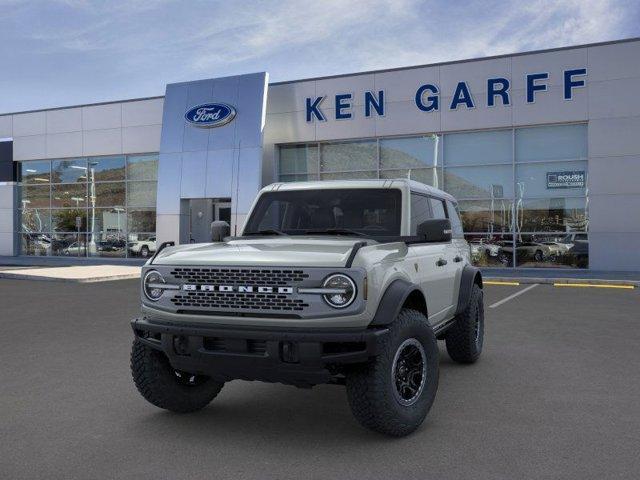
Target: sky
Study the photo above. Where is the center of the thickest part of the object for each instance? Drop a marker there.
(69, 52)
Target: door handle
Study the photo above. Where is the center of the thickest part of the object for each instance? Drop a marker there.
(441, 262)
(457, 259)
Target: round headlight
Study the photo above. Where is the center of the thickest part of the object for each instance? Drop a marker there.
(343, 290)
(151, 285)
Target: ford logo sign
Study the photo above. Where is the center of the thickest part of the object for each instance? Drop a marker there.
(210, 115)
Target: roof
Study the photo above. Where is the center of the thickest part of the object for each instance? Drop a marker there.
(351, 184)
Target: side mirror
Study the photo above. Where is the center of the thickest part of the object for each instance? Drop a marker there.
(219, 230)
(435, 230)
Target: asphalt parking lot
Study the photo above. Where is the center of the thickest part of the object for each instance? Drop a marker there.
(555, 395)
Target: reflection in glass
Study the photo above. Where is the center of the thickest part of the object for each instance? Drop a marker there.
(109, 194)
(35, 196)
(341, 157)
(141, 244)
(532, 181)
(69, 171)
(68, 245)
(491, 250)
(35, 220)
(479, 182)
(142, 167)
(38, 244)
(486, 215)
(552, 250)
(303, 177)
(104, 244)
(478, 148)
(143, 220)
(106, 169)
(552, 215)
(69, 195)
(428, 176)
(557, 142)
(85, 189)
(108, 223)
(64, 220)
(35, 171)
(411, 152)
(348, 175)
(142, 194)
(298, 159)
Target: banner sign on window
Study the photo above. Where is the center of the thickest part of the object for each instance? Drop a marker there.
(570, 179)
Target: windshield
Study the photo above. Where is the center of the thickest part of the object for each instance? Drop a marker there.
(360, 211)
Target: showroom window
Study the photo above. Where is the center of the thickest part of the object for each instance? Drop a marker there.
(522, 193)
(95, 206)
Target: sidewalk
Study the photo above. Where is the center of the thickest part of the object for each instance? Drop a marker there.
(561, 276)
(76, 274)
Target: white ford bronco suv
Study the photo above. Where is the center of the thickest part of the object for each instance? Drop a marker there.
(341, 282)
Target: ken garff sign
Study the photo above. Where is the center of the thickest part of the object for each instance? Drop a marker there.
(568, 179)
(427, 96)
(210, 115)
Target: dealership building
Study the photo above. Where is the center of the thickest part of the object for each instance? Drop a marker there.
(541, 149)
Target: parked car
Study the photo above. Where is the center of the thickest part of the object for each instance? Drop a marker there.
(536, 251)
(556, 249)
(481, 246)
(75, 249)
(143, 248)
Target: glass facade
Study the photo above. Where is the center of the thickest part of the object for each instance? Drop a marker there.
(95, 206)
(522, 192)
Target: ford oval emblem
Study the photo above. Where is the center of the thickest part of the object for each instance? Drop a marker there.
(210, 115)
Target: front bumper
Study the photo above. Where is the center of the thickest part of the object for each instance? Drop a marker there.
(301, 357)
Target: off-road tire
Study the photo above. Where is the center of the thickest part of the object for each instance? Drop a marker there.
(464, 343)
(370, 387)
(157, 382)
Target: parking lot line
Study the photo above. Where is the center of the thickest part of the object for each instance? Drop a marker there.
(496, 282)
(593, 285)
(512, 296)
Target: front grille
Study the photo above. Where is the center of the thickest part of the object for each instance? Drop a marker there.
(238, 301)
(239, 276)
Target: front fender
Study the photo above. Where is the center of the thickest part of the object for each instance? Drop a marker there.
(392, 301)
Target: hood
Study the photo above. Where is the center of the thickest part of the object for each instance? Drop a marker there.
(271, 251)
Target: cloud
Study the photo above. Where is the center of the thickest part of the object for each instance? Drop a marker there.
(120, 48)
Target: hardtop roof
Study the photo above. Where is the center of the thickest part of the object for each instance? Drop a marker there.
(401, 183)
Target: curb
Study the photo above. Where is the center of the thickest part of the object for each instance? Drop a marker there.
(564, 281)
(19, 276)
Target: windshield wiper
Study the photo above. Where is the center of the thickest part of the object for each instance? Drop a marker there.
(268, 231)
(336, 231)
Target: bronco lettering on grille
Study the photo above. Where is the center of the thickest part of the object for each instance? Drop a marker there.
(237, 288)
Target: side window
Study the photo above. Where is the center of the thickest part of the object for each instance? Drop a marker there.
(456, 224)
(420, 211)
(437, 207)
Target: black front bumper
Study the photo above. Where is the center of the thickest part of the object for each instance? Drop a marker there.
(301, 358)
